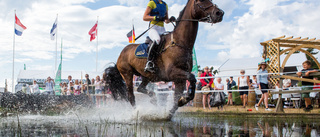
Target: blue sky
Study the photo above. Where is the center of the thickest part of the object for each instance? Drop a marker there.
(246, 23)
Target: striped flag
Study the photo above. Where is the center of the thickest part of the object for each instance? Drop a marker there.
(53, 30)
(131, 36)
(18, 26)
(93, 32)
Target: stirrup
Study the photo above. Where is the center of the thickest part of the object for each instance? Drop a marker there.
(149, 67)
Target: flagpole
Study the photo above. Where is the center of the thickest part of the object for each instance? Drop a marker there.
(14, 37)
(55, 67)
(97, 46)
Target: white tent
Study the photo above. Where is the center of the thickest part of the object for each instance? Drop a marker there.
(232, 67)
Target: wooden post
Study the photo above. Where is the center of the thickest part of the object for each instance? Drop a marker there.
(279, 106)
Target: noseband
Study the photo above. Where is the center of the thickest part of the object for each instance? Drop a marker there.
(203, 9)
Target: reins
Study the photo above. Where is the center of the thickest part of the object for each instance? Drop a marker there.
(207, 18)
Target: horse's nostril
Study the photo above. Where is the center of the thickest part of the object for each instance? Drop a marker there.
(219, 13)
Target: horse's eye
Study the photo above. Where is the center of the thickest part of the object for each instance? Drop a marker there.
(201, 0)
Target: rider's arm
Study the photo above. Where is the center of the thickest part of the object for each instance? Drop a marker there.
(146, 15)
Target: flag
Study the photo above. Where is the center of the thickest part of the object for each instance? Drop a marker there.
(18, 26)
(53, 30)
(93, 31)
(57, 80)
(131, 36)
(194, 62)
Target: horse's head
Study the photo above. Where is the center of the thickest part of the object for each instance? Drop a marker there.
(206, 11)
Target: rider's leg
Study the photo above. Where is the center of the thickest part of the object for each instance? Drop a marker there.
(154, 34)
(151, 57)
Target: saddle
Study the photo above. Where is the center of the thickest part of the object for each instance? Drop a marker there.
(143, 49)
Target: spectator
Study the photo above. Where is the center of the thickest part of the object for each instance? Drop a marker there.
(263, 85)
(35, 88)
(199, 84)
(24, 88)
(98, 88)
(316, 94)
(49, 86)
(244, 83)
(230, 84)
(286, 84)
(69, 81)
(219, 86)
(76, 87)
(92, 85)
(206, 85)
(316, 86)
(70, 88)
(254, 83)
(64, 88)
(307, 85)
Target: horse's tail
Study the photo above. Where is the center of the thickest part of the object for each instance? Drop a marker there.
(115, 83)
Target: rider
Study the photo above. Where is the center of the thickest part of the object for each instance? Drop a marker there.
(157, 13)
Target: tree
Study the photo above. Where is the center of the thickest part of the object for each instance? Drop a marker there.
(313, 63)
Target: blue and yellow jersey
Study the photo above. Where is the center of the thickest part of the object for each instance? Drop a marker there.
(153, 6)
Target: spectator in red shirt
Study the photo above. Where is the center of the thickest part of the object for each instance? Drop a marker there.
(206, 85)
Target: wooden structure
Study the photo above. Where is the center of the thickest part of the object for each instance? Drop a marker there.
(272, 49)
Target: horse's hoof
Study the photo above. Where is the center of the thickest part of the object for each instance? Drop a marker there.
(182, 101)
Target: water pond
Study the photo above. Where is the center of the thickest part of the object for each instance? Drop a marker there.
(183, 124)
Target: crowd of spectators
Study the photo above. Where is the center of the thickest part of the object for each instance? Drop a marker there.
(243, 86)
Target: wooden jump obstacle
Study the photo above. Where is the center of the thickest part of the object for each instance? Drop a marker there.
(273, 48)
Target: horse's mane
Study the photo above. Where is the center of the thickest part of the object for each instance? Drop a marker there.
(181, 14)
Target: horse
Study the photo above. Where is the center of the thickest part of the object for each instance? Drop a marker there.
(174, 62)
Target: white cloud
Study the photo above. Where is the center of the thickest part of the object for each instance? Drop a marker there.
(237, 37)
(265, 20)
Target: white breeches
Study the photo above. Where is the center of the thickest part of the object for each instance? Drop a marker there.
(155, 32)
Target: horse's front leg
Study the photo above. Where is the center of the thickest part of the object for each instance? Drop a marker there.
(190, 95)
(178, 92)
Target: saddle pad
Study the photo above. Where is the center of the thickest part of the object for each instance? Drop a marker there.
(141, 51)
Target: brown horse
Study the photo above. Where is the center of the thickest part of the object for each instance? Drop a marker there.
(174, 62)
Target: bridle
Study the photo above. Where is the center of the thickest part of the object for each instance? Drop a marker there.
(203, 9)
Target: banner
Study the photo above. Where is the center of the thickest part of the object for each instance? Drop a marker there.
(57, 80)
(194, 62)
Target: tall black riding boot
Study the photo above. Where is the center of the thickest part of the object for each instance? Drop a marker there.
(151, 57)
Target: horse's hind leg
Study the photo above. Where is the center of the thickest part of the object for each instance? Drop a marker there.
(128, 77)
(143, 85)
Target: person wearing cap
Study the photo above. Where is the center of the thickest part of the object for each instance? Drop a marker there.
(262, 79)
(230, 84)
